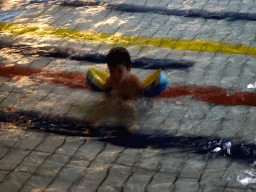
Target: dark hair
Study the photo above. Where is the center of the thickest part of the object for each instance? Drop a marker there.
(119, 55)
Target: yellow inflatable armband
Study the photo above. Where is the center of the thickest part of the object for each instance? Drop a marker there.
(154, 84)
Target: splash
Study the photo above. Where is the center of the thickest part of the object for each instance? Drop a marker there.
(251, 86)
(247, 177)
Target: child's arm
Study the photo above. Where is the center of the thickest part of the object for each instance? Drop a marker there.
(139, 87)
(107, 88)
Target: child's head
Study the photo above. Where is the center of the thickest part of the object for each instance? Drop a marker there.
(119, 55)
(119, 63)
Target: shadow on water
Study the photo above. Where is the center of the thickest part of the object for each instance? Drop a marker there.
(121, 137)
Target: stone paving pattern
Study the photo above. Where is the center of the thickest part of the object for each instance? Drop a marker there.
(41, 161)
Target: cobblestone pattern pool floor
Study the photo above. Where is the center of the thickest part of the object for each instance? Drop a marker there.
(32, 160)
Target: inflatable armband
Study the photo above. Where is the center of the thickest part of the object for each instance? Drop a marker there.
(154, 84)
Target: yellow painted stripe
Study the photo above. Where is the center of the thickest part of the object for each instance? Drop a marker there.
(123, 40)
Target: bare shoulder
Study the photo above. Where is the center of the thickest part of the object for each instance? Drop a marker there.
(135, 79)
(136, 83)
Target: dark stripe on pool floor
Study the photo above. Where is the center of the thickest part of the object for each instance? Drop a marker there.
(165, 11)
(40, 1)
(121, 137)
(96, 57)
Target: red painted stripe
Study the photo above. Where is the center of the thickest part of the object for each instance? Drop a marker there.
(72, 80)
(218, 96)
(215, 95)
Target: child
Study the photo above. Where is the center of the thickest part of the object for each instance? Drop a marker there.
(121, 83)
(120, 87)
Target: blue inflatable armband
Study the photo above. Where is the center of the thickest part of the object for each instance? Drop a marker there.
(154, 84)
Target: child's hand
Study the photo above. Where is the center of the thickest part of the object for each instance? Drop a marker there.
(112, 96)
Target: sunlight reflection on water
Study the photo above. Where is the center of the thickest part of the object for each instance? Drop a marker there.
(9, 4)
